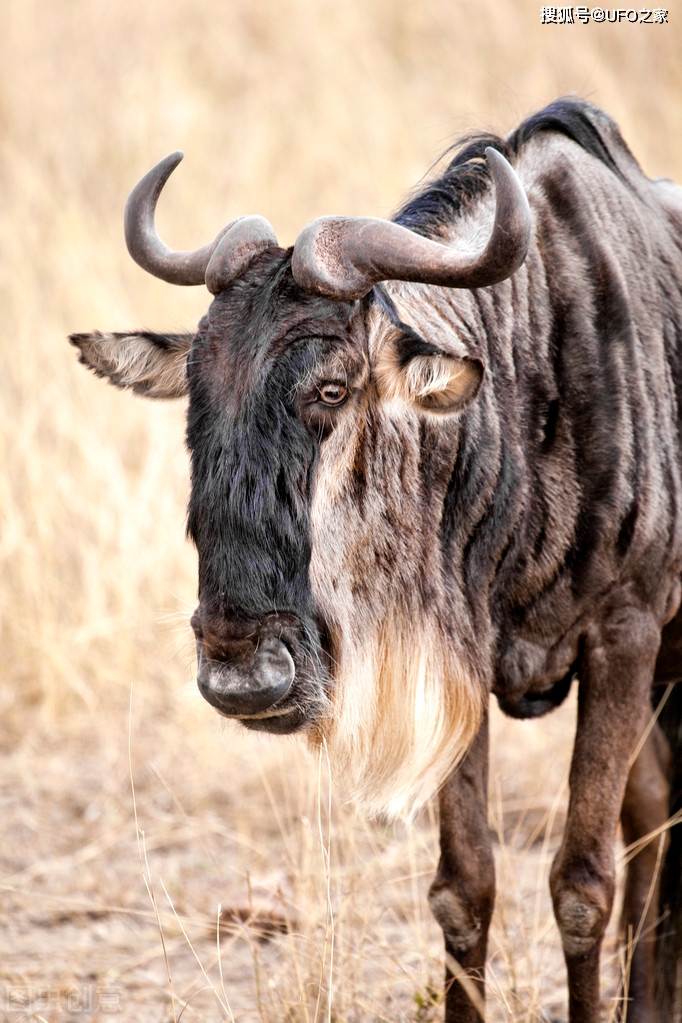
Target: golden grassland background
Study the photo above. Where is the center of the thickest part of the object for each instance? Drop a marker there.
(290, 109)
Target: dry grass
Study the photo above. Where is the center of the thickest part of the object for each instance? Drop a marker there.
(288, 109)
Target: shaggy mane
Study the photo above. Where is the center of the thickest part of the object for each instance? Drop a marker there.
(467, 176)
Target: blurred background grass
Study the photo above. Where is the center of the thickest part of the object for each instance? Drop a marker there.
(290, 109)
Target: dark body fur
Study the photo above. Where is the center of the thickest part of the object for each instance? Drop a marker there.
(569, 460)
(494, 506)
(578, 523)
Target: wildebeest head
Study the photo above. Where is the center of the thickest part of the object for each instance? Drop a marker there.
(313, 424)
(269, 372)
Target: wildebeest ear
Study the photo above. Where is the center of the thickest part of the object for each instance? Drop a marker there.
(154, 365)
(419, 372)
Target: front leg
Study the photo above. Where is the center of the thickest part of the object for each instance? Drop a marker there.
(644, 813)
(616, 672)
(463, 891)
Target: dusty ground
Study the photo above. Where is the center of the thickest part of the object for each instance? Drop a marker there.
(101, 924)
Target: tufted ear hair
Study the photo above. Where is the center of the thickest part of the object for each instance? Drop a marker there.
(421, 373)
(153, 365)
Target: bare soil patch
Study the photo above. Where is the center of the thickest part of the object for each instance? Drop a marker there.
(102, 924)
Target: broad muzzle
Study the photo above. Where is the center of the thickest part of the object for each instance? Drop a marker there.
(247, 686)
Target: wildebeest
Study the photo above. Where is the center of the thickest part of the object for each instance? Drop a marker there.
(436, 459)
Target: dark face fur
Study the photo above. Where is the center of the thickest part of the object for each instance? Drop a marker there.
(270, 369)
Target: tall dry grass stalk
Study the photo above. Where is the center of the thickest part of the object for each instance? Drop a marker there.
(290, 109)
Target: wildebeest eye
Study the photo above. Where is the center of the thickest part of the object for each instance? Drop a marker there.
(332, 394)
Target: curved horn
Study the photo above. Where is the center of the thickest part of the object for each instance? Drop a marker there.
(344, 257)
(144, 244)
(241, 242)
(215, 264)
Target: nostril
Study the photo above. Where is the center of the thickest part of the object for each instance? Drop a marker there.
(238, 651)
(195, 622)
(224, 638)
